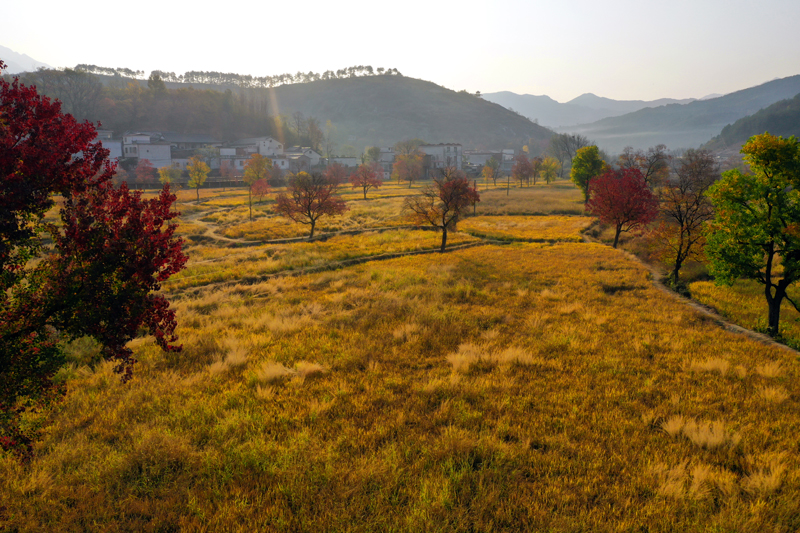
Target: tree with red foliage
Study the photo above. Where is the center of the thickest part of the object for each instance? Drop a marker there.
(311, 196)
(366, 177)
(408, 167)
(256, 169)
(145, 172)
(97, 277)
(260, 189)
(335, 173)
(523, 169)
(442, 203)
(623, 199)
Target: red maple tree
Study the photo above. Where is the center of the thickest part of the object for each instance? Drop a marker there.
(622, 199)
(366, 177)
(311, 196)
(442, 203)
(145, 172)
(109, 253)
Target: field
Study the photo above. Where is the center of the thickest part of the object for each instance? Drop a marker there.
(528, 386)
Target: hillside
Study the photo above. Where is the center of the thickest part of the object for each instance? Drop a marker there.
(16, 62)
(381, 110)
(781, 118)
(581, 110)
(689, 125)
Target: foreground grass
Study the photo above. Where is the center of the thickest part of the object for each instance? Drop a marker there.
(518, 388)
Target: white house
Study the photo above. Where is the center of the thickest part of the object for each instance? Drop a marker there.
(159, 154)
(266, 146)
(443, 155)
(296, 151)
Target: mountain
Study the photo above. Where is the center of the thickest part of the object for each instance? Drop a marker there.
(381, 110)
(581, 110)
(16, 63)
(685, 125)
(781, 118)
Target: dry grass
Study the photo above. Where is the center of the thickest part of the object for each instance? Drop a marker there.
(525, 228)
(515, 388)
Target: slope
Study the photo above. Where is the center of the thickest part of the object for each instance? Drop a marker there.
(689, 125)
(381, 110)
(781, 118)
(581, 110)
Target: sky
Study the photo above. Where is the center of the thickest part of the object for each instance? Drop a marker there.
(620, 49)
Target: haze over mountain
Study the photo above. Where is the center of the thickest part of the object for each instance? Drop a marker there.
(581, 110)
(781, 118)
(688, 125)
(16, 63)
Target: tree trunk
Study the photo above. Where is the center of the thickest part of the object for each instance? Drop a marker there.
(774, 305)
(444, 240)
(198, 194)
(616, 236)
(250, 200)
(313, 223)
(365, 194)
(676, 271)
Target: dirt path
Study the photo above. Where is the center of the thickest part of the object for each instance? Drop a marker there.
(705, 310)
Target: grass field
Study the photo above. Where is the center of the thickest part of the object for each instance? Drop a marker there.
(523, 387)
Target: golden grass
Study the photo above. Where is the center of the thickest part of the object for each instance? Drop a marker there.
(744, 304)
(527, 228)
(525, 387)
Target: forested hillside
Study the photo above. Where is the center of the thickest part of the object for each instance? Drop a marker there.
(686, 126)
(371, 110)
(781, 118)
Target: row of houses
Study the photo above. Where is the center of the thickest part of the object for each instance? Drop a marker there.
(165, 149)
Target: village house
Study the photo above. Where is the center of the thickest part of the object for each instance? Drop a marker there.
(441, 156)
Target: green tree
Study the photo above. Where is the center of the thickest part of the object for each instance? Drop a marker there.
(585, 166)
(491, 170)
(755, 233)
(256, 168)
(372, 154)
(550, 169)
(198, 172)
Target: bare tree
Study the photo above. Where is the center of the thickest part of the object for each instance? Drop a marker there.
(564, 146)
(653, 164)
(685, 209)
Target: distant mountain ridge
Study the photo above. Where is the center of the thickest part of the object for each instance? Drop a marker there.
(584, 109)
(689, 125)
(781, 118)
(16, 63)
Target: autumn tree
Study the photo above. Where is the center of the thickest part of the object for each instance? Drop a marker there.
(169, 174)
(365, 178)
(684, 209)
(408, 146)
(256, 168)
(755, 232)
(585, 166)
(408, 166)
(310, 197)
(522, 169)
(550, 169)
(145, 172)
(491, 170)
(198, 172)
(565, 146)
(442, 203)
(372, 154)
(622, 199)
(653, 163)
(95, 273)
(335, 173)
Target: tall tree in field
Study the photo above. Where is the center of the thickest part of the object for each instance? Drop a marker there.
(198, 172)
(310, 197)
(622, 199)
(755, 233)
(684, 209)
(442, 203)
(522, 169)
(653, 163)
(145, 172)
(365, 178)
(335, 173)
(550, 169)
(95, 273)
(491, 170)
(408, 167)
(256, 168)
(585, 166)
(169, 175)
(372, 154)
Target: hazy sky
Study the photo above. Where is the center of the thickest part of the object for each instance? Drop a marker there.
(622, 49)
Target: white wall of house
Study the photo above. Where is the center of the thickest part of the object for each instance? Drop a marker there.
(443, 155)
(269, 147)
(159, 154)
